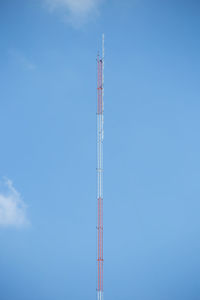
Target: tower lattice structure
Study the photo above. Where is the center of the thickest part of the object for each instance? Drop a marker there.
(100, 137)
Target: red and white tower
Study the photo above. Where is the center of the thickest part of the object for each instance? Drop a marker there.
(100, 136)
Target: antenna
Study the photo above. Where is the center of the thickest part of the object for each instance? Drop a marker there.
(103, 53)
(100, 109)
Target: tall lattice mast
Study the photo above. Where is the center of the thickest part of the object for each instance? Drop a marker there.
(100, 136)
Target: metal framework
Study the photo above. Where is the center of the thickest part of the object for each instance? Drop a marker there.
(100, 136)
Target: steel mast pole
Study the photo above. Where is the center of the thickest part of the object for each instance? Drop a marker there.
(100, 136)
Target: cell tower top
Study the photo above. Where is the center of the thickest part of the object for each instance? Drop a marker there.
(103, 53)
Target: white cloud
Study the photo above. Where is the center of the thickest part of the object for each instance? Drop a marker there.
(12, 207)
(77, 11)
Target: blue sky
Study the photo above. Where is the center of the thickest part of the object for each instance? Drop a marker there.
(48, 149)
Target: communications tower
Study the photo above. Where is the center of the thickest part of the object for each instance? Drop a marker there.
(100, 137)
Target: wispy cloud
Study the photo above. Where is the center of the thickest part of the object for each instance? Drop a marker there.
(77, 12)
(22, 59)
(12, 207)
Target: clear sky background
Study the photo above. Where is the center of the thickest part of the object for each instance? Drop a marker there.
(48, 149)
